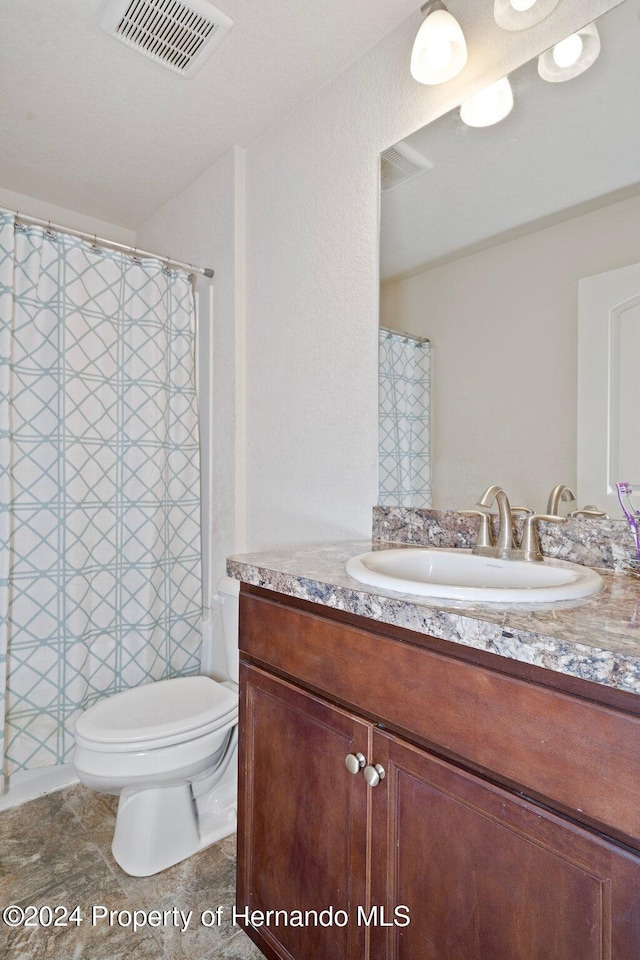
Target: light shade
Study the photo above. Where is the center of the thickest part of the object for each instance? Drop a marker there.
(571, 57)
(489, 106)
(520, 14)
(439, 50)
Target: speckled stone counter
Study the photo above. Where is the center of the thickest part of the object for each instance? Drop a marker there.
(596, 639)
(601, 543)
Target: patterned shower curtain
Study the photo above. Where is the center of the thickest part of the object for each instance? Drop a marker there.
(404, 453)
(100, 584)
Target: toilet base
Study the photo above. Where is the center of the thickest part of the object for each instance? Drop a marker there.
(217, 813)
(155, 828)
(159, 827)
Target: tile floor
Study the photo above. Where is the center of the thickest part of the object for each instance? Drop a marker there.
(55, 851)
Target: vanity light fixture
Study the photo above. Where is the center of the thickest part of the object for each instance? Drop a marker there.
(488, 106)
(520, 14)
(439, 50)
(571, 57)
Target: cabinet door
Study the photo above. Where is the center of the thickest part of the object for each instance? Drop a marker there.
(489, 876)
(302, 819)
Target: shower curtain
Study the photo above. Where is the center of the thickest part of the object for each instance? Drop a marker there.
(404, 454)
(100, 585)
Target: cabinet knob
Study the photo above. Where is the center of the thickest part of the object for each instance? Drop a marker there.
(354, 762)
(373, 775)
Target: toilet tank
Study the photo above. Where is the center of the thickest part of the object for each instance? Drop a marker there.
(228, 597)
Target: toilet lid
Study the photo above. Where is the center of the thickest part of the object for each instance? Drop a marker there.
(157, 714)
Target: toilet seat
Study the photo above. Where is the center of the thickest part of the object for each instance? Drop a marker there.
(156, 715)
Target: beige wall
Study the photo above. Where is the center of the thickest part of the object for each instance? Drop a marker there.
(503, 327)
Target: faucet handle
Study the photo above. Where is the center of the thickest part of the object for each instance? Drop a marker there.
(589, 511)
(484, 533)
(549, 517)
(526, 510)
(530, 545)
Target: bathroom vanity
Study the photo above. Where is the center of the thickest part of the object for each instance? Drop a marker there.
(495, 802)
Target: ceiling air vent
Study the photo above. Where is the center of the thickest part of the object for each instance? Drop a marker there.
(400, 164)
(179, 34)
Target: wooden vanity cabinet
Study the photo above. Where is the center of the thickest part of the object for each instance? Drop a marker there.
(482, 872)
(303, 843)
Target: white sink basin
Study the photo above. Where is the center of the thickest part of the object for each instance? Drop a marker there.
(458, 575)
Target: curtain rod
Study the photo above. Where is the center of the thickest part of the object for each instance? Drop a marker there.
(405, 336)
(110, 244)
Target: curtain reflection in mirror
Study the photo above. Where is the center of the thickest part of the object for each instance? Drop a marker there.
(404, 420)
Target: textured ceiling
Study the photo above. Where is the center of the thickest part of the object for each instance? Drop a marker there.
(90, 125)
(565, 148)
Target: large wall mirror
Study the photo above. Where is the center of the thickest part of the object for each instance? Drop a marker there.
(487, 251)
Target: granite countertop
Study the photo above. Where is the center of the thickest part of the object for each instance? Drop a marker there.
(596, 639)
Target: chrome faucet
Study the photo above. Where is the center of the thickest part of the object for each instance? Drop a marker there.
(504, 547)
(560, 492)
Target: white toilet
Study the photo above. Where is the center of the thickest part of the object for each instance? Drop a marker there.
(169, 749)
